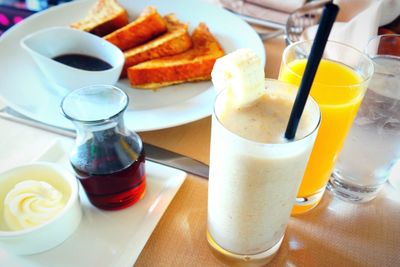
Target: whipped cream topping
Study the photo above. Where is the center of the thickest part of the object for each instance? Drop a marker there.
(31, 203)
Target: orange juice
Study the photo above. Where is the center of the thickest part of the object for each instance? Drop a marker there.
(338, 90)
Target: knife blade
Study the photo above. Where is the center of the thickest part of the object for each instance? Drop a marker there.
(153, 153)
(175, 160)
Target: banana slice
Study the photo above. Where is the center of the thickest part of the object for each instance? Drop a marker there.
(242, 73)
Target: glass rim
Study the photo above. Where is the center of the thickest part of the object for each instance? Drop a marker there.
(363, 55)
(264, 144)
(377, 38)
(383, 35)
(97, 121)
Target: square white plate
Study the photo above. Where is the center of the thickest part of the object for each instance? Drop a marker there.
(106, 238)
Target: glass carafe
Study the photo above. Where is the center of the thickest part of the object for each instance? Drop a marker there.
(108, 159)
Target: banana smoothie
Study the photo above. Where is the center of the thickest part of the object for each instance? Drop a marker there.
(254, 171)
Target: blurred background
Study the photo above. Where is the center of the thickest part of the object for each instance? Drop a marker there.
(13, 11)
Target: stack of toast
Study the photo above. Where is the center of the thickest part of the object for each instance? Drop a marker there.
(159, 50)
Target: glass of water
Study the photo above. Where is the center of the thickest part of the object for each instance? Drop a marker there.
(373, 145)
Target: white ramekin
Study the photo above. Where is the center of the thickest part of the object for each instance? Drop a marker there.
(53, 232)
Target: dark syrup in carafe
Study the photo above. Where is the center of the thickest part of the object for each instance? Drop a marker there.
(110, 170)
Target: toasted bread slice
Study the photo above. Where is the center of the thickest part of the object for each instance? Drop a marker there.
(176, 40)
(147, 26)
(104, 17)
(193, 65)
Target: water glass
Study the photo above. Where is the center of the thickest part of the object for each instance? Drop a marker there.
(373, 145)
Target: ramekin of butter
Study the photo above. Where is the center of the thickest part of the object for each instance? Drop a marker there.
(39, 207)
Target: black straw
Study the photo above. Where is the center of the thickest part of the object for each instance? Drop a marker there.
(317, 50)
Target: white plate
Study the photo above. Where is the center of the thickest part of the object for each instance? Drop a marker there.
(106, 238)
(24, 88)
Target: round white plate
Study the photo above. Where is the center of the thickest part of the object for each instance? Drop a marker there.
(24, 88)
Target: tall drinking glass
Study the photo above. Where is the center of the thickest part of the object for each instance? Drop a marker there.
(255, 173)
(338, 88)
(373, 144)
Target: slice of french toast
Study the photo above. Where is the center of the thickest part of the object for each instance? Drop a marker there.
(193, 65)
(147, 26)
(104, 17)
(176, 40)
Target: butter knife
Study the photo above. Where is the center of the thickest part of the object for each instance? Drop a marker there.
(153, 153)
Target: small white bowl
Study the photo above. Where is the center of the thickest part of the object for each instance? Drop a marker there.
(46, 44)
(52, 233)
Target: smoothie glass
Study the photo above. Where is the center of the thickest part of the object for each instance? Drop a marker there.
(338, 88)
(253, 185)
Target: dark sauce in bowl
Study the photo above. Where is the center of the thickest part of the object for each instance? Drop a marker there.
(83, 62)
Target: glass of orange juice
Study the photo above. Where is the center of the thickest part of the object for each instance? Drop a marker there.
(339, 86)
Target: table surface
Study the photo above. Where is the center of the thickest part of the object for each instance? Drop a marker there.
(335, 233)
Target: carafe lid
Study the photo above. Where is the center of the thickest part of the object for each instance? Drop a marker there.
(94, 104)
